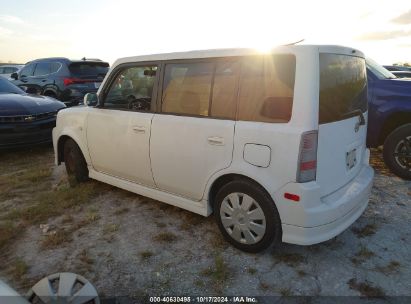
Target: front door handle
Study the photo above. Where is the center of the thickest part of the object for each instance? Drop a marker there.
(215, 140)
(139, 129)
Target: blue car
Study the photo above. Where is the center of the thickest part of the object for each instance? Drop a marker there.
(25, 119)
(390, 117)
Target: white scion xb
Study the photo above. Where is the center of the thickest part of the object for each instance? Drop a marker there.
(273, 144)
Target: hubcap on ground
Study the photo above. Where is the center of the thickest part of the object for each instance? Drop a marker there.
(64, 288)
(402, 153)
(243, 218)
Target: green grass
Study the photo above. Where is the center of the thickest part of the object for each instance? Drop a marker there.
(165, 237)
(53, 203)
(55, 240)
(365, 231)
(290, 259)
(219, 272)
(8, 232)
(18, 269)
(145, 255)
(366, 288)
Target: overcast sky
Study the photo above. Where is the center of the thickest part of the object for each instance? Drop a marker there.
(112, 29)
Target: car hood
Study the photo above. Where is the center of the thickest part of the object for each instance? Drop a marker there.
(27, 104)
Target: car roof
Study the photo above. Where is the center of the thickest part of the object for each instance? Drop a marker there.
(65, 60)
(214, 53)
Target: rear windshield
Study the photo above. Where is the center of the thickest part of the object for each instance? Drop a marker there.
(343, 87)
(81, 69)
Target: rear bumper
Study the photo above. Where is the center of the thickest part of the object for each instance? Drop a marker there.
(317, 219)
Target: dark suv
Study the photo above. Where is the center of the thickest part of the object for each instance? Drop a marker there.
(61, 78)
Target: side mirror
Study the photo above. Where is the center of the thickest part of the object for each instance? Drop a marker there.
(91, 99)
(31, 90)
(15, 76)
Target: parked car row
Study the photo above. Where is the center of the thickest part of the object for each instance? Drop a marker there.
(61, 78)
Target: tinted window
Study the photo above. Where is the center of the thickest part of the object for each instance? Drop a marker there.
(225, 90)
(42, 68)
(343, 87)
(132, 89)
(267, 88)
(81, 69)
(9, 70)
(54, 67)
(186, 88)
(7, 87)
(27, 70)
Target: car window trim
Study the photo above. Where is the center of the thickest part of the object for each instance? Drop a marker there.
(117, 70)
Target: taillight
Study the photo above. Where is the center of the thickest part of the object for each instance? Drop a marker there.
(69, 81)
(307, 160)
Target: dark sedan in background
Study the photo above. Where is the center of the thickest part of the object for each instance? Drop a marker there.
(25, 119)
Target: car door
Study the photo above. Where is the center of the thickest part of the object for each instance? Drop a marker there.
(40, 76)
(25, 76)
(192, 137)
(118, 131)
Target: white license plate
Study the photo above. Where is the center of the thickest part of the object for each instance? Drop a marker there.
(351, 159)
(97, 84)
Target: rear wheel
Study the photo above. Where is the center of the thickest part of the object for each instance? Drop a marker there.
(397, 151)
(75, 163)
(247, 216)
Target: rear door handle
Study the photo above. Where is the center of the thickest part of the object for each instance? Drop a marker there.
(215, 140)
(139, 129)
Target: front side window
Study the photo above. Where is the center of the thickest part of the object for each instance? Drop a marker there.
(27, 70)
(132, 89)
(267, 88)
(187, 88)
(343, 87)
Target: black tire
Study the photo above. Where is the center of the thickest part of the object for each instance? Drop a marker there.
(273, 231)
(75, 163)
(399, 141)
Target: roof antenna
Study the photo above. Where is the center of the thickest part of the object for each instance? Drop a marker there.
(294, 43)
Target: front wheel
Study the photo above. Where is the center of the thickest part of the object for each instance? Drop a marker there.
(76, 165)
(397, 151)
(247, 216)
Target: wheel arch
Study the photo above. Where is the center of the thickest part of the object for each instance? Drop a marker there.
(60, 148)
(223, 179)
(394, 121)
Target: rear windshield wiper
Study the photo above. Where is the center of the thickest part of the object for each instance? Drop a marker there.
(356, 112)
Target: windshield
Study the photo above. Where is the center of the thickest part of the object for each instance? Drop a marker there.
(7, 87)
(379, 70)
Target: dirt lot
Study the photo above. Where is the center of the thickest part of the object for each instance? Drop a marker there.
(130, 245)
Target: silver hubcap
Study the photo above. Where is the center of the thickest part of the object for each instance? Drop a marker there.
(243, 218)
(64, 288)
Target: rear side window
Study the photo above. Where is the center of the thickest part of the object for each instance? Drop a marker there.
(225, 90)
(267, 88)
(343, 87)
(54, 67)
(187, 88)
(82, 69)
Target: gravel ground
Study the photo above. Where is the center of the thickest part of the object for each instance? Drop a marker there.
(127, 244)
